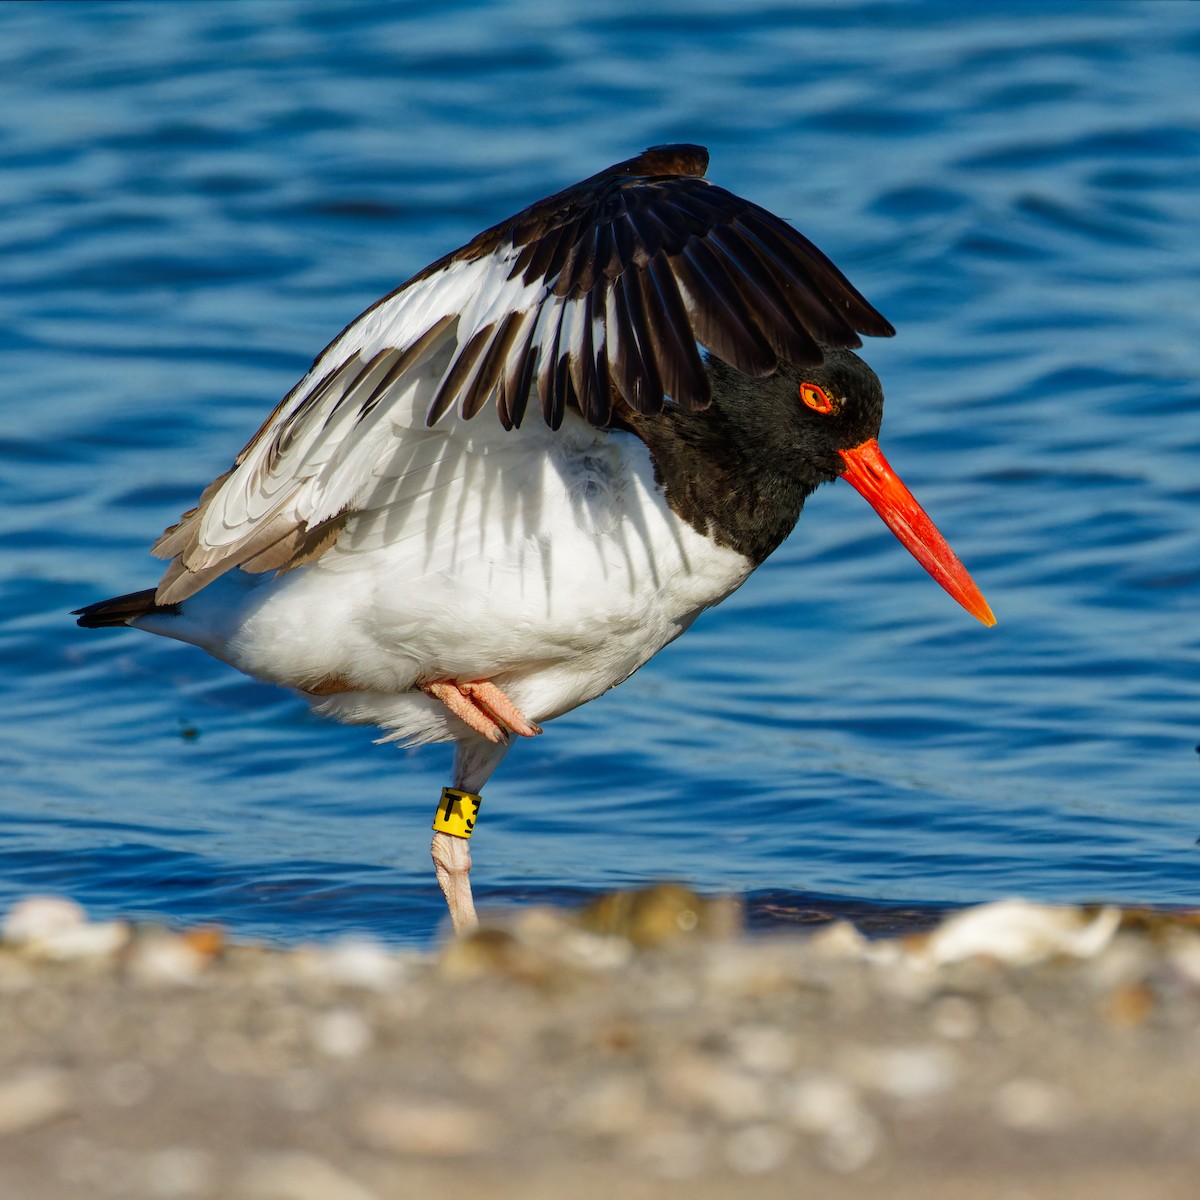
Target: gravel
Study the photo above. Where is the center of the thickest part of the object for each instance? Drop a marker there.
(646, 1047)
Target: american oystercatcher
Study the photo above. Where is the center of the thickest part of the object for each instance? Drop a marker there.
(403, 557)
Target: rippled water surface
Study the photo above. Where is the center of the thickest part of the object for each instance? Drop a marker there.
(194, 198)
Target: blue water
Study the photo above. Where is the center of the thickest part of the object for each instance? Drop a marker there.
(195, 197)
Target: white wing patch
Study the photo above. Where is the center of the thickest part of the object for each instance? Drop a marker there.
(357, 417)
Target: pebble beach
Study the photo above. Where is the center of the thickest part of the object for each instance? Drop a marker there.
(645, 1046)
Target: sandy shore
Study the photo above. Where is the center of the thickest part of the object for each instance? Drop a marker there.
(648, 1048)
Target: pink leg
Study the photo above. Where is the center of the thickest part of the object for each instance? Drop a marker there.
(474, 761)
(452, 861)
(482, 706)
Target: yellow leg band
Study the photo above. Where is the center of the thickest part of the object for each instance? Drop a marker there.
(456, 812)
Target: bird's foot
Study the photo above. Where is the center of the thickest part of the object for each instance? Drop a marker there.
(488, 696)
(452, 861)
(482, 706)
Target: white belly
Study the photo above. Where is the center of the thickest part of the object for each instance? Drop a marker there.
(556, 589)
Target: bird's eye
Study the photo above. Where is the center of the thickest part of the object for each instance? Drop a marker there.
(818, 399)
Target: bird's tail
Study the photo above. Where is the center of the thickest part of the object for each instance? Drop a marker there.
(121, 610)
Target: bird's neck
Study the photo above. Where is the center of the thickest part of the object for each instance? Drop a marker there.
(726, 476)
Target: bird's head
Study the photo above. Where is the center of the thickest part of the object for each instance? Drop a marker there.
(835, 407)
(838, 408)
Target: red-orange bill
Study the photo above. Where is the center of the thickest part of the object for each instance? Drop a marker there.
(870, 474)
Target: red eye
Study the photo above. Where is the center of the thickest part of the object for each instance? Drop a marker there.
(816, 398)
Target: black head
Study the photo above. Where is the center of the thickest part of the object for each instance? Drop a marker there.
(807, 415)
(825, 420)
(741, 469)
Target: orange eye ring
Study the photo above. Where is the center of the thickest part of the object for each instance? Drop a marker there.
(817, 398)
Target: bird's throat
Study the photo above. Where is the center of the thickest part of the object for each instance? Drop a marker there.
(745, 497)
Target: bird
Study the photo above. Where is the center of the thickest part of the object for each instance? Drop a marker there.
(512, 481)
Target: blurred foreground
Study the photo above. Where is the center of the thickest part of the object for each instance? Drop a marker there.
(645, 1047)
